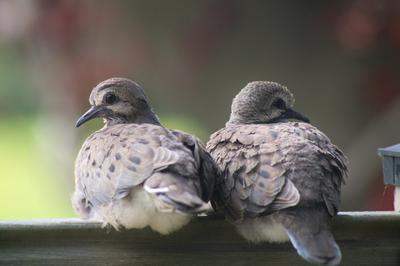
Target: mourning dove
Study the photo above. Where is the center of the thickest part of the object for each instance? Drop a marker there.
(134, 172)
(281, 178)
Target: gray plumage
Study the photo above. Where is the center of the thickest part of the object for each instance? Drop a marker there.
(281, 178)
(134, 172)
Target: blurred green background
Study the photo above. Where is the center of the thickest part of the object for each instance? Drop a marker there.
(340, 58)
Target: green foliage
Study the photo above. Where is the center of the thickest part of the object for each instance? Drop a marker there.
(28, 188)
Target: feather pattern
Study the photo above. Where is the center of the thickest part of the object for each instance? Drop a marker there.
(171, 166)
(264, 165)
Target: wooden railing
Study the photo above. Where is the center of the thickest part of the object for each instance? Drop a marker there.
(366, 238)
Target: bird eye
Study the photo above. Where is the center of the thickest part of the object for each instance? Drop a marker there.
(279, 103)
(110, 98)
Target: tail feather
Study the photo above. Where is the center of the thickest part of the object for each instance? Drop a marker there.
(309, 232)
(176, 192)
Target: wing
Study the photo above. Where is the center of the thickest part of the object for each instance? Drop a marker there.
(207, 169)
(113, 161)
(318, 167)
(254, 179)
(176, 193)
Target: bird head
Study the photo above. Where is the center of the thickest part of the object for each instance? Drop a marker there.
(264, 102)
(119, 100)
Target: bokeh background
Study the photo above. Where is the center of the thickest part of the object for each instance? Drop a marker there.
(340, 58)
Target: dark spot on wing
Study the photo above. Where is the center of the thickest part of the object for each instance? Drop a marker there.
(112, 168)
(264, 173)
(143, 141)
(273, 134)
(118, 156)
(94, 163)
(134, 159)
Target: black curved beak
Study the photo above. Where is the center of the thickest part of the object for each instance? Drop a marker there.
(292, 114)
(93, 112)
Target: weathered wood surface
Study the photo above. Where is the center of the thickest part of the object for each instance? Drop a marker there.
(366, 238)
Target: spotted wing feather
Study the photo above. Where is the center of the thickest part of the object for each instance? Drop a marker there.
(271, 167)
(115, 160)
(208, 170)
(254, 180)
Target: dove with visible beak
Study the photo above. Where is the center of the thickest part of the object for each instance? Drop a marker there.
(134, 172)
(281, 176)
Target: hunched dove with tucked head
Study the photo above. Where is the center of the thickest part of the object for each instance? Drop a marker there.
(134, 172)
(281, 178)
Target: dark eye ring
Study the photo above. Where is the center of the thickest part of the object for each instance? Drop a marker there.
(279, 103)
(110, 98)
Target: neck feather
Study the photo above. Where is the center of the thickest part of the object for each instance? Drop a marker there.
(146, 118)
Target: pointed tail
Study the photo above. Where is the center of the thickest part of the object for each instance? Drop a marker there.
(309, 232)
